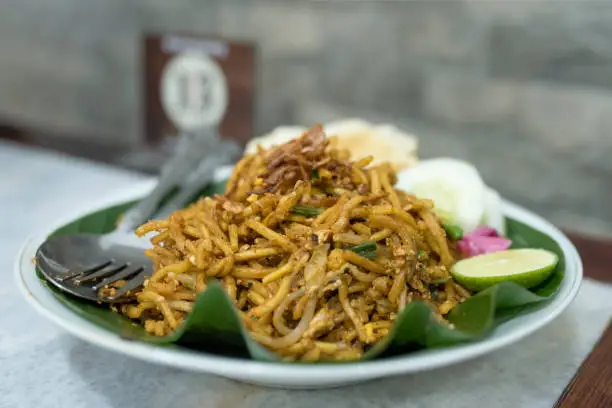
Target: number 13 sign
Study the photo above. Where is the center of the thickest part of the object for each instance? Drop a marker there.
(193, 91)
(195, 82)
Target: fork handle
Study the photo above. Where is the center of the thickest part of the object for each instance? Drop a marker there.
(187, 154)
(204, 174)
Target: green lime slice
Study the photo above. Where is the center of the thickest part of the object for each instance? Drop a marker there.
(527, 267)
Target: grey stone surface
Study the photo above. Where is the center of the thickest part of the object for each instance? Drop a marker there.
(557, 41)
(566, 117)
(499, 76)
(462, 97)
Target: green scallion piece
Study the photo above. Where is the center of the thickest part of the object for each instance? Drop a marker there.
(439, 281)
(454, 232)
(306, 211)
(367, 249)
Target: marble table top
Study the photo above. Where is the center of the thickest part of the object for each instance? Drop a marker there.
(42, 366)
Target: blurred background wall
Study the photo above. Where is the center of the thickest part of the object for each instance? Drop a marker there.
(521, 88)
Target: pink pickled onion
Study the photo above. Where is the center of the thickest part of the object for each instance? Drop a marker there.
(484, 231)
(482, 240)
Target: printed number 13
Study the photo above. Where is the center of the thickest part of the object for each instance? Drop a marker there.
(194, 91)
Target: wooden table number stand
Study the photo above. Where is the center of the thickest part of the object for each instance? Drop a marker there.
(190, 81)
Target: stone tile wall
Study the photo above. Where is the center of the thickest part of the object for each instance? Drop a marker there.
(522, 88)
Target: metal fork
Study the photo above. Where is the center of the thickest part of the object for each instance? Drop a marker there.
(84, 264)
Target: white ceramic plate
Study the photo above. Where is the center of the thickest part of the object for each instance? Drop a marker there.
(293, 375)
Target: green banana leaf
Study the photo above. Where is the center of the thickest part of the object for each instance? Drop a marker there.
(214, 327)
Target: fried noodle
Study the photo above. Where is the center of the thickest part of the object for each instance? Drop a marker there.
(281, 240)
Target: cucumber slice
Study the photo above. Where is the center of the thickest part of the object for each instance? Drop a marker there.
(527, 267)
(455, 187)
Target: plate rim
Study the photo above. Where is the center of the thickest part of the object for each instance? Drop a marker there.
(265, 372)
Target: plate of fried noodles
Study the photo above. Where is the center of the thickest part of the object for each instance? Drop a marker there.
(303, 267)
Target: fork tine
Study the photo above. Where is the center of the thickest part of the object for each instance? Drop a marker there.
(133, 283)
(126, 273)
(85, 272)
(102, 273)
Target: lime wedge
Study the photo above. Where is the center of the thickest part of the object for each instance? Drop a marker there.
(527, 267)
